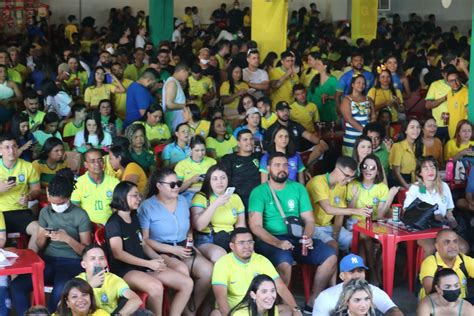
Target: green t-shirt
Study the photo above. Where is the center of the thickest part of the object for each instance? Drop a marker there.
(294, 200)
(382, 154)
(146, 160)
(74, 221)
(327, 111)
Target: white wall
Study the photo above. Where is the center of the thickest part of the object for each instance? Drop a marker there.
(331, 10)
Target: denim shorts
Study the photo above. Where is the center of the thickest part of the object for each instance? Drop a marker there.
(316, 256)
(201, 239)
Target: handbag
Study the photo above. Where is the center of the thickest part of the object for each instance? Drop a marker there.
(420, 215)
(294, 224)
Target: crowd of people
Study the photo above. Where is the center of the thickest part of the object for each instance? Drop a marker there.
(206, 171)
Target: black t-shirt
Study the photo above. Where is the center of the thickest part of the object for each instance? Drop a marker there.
(296, 132)
(132, 241)
(244, 173)
(213, 72)
(236, 19)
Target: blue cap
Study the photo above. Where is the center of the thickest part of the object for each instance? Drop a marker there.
(351, 262)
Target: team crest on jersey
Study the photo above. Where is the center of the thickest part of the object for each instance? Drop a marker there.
(234, 212)
(337, 199)
(104, 299)
(256, 163)
(21, 177)
(375, 201)
(291, 204)
(109, 194)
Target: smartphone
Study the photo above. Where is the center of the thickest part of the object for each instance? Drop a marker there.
(11, 179)
(97, 270)
(50, 230)
(229, 191)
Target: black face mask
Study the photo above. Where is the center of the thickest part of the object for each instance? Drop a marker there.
(451, 295)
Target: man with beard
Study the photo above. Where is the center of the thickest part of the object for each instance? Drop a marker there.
(266, 204)
(139, 97)
(120, 98)
(357, 67)
(31, 109)
(135, 70)
(234, 272)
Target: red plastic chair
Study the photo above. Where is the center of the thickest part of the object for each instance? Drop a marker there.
(99, 236)
(397, 127)
(401, 195)
(307, 274)
(21, 239)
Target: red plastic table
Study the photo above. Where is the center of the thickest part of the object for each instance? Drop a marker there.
(28, 262)
(389, 235)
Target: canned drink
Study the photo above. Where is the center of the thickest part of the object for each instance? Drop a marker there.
(304, 249)
(396, 210)
(189, 243)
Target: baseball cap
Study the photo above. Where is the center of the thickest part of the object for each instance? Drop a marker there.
(351, 262)
(252, 110)
(178, 22)
(281, 105)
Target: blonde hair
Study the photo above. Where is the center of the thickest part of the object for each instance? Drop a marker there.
(349, 290)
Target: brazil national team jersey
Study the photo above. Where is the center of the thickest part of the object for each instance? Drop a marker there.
(25, 175)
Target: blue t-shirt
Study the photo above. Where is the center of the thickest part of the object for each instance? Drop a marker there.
(397, 82)
(138, 98)
(295, 166)
(164, 226)
(344, 83)
(257, 136)
(174, 153)
(470, 182)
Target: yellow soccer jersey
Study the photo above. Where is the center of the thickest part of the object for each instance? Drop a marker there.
(373, 196)
(108, 295)
(285, 91)
(236, 275)
(25, 175)
(202, 129)
(438, 89)
(318, 189)
(95, 198)
(306, 115)
(188, 168)
(267, 122)
(457, 108)
(200, 88)
(221, 148)
(225, 216)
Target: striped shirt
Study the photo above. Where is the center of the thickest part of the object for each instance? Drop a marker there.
(360, 112)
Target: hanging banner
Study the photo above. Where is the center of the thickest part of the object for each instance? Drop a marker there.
(161, 20)
(269, 25)
(364, 19)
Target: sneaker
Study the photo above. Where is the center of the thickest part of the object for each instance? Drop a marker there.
(308, 310)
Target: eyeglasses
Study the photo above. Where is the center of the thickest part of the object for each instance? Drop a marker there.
(98, 161)
(367, 167)
(136, 196)
(348, 176)
(245, 243)
(173, 184)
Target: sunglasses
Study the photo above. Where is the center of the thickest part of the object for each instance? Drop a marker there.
(173, 184)
(367, 167)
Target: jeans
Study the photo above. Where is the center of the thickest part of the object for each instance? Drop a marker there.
(57, 272)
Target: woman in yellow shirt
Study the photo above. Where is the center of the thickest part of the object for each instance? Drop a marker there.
(215, 213)
(157, 131)
(462, 144)
(99, 90)
(126, 169)
(259, 299)
(232, 90)
(74, 302)
(385, 95)
(220, 142)
(403, 155)
(77, 81)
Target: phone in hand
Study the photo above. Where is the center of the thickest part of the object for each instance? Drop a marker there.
(50, 230)
(229, 191)
(11, 179)
(97, 270)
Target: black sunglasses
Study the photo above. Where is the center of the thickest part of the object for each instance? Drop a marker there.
(173, 184)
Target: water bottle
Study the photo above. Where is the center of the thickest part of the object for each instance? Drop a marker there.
(450, 170)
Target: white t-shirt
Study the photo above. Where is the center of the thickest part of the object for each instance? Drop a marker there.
(257, 77)
(326, 301)
(60, 103)
(445, 201)
(139, 42)
(79, 140)
(176, 37)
